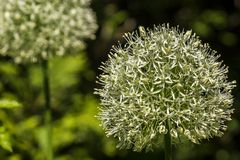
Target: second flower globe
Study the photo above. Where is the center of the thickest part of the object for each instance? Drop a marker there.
(31, 30)
(163, 75)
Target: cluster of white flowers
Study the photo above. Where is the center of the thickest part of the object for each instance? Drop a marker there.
(37, 29)
(159, 75)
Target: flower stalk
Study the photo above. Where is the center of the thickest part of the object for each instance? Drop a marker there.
(168, 142)
(48, 112)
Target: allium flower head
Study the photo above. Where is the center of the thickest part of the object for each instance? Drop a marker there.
(159, 75)
(36, 29)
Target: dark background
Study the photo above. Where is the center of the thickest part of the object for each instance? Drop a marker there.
(77, 135)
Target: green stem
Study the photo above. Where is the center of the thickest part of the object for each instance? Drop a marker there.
(168, 142)
(47, 114)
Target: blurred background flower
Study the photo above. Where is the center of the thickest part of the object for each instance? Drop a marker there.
(33, 30)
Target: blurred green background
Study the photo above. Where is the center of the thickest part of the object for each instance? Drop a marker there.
(77, 135)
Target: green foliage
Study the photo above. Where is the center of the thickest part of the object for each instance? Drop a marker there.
(5, 139)
(9, 104)
(75, 127)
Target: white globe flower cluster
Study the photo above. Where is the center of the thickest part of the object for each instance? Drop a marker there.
(163, 75)
(37, 29)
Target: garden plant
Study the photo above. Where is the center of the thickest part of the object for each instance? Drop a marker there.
(161, 92)
(37, 30)
(163, 87)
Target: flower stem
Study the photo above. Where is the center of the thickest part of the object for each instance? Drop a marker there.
(47, 114)
(168, 142)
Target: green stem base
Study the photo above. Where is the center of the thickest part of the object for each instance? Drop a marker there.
(47, 114)
(168, 142)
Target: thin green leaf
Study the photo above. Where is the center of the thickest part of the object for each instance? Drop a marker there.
(9, 104)
(5, 140)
